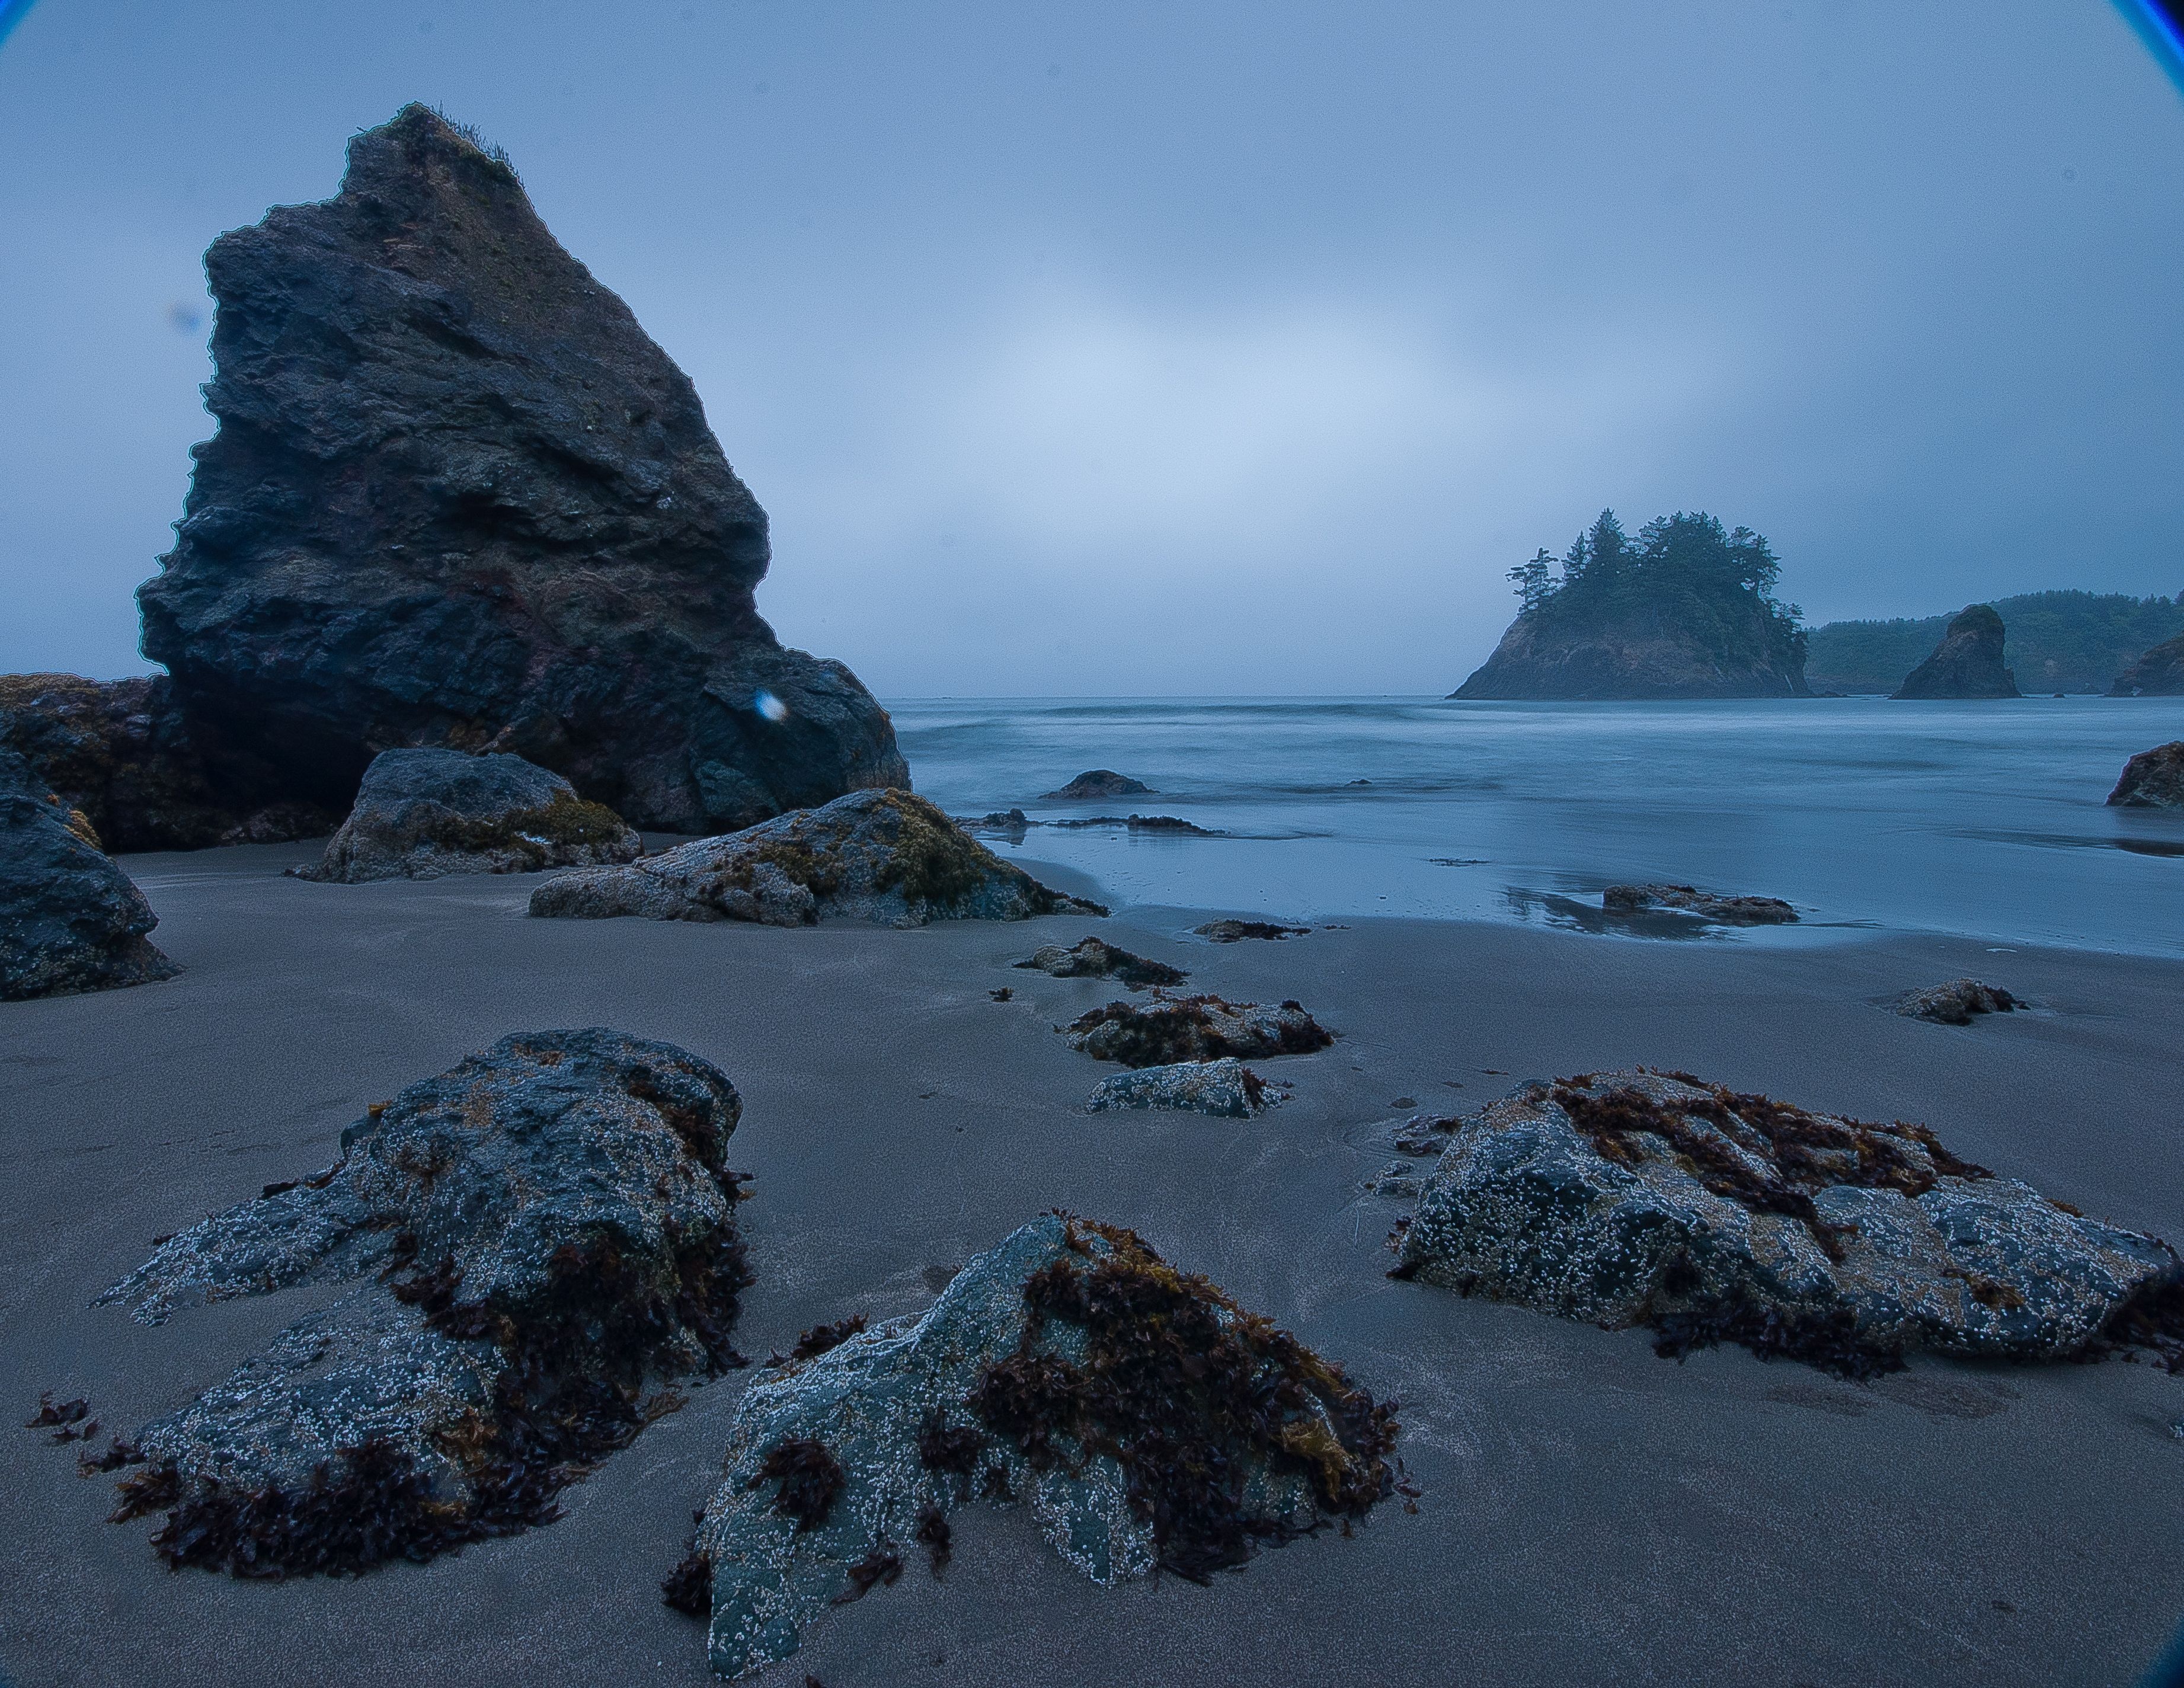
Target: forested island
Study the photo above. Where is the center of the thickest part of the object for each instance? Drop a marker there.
(2058, 641)
(1685, 609)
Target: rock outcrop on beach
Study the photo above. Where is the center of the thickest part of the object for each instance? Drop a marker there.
(1095, 958)
(885, 857)
(69, 919)
(1236, 931)
(1643, 1198)
(538, 1235)
(1225, 1089)
(1955, 1002)
(1728, 911)
(2153, 779)
(1967, 663)
(1180, 1028)
(2158, 674)
(424, 813)
(458, 499)
(1147, 1420)
(1101, 783)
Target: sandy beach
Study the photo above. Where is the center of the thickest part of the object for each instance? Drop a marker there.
(1590, 1514)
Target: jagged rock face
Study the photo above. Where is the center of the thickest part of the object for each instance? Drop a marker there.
(885, 857)
(459, 498)
(1650, 658)
(535, 1233)
(2158, 674)
(424, 814)
(1967, 663)
(1147, 1420)
(2153, 779)
(69, 919)
(1644, 1198)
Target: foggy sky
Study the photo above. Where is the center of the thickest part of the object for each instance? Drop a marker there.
(1192, 346)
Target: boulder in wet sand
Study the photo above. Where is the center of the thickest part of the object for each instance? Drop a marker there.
(1236, 931)
(1707, 904)
(1147, 1421)
(885, 857)
(1953, 1004)
(71, 920)
(1094, 958)
(1226, 1089)
(1645, 1198)
(538, 1235)
(1967, 663)
(424, 814)
(2153, 779)
(1100, 782)
(1178, 1028)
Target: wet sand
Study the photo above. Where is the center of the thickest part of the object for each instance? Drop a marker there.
(1591, 1514)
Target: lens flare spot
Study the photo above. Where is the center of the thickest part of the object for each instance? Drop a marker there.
(770, 707)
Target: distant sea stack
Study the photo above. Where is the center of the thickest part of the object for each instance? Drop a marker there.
(2158, 674)
(458, 499)
(1687, 609)
(1967, 663)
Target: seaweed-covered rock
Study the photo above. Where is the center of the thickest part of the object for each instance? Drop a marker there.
(1954, 1003)
(1707, 904)
(2153, 779)
(1226, 1089)
(1657, 1199)
(459, 498)
(538, 1233)
(2159, 673)
(1236, 931)
(1101, 783)
(885, 857)
(1181, 1028)
(69, 919)
(422, 814)
(1967, 663)
(1148, 1420)
(1095, 958)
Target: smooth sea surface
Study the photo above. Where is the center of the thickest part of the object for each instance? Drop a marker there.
(1985, 819)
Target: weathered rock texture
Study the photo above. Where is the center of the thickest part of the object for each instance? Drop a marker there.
(2153, 779)
(2158, 674)
(1146, 1418)
(1650, 656)
(120, 751)
(1954, 1003)
(1095, 958)
(1101, 783)
(1236, 931)
(1174, 1029)
(539, 1233)
(1967, 663)
(1226, 1089)
(1645, 1198)
(457, 497)
(1707, 905)
(422, 814)
(879, 856)
(69, 919)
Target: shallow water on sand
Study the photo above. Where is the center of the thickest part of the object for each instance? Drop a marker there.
(1985, 819)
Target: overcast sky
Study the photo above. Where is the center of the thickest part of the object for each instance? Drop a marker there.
(1189, 345)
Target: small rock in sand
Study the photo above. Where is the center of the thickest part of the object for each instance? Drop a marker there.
(1226, 1089)
(1728, 911)
(1178, 1028)
(1953, 1004)
(1235, 931)
(2153, 779)
(1091, 958)
(1100, 782)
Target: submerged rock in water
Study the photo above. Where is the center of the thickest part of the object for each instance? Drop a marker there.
(2153, 779)
(1648, 1198)
(539, 1232)
(458, 498)
(1226, 1089)
(423, 814)
(1967, 663)
(1236, 931)
(1101, 783)
(1094, 958)
(69, 919)
(1147, 1419)
(1707, 905)
(2158, 674)
(1180, 1028)
(1953, 1004)
(885, 857)
(1140, 823)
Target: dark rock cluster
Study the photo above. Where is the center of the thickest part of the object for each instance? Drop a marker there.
(1101, 783)
(1955, 1002)
(1967, 663)
(1096, 958)
(1726, 910)
(1194, 1029)
(2153, 779)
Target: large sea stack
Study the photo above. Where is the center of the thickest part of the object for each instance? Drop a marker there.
(458, 498)
(1967, 663)
(2158, 674)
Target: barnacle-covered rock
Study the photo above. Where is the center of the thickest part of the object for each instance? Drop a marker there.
(1657, 1199)
(1095, 958)
(1955, 1002)
(422, 814)
(1226, 1089)
(886, 856)
(1728, 911)
(537, 1233)
(1147, 1419)
(1179, 1028)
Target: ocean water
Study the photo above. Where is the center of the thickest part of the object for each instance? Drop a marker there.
(1982, 819)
